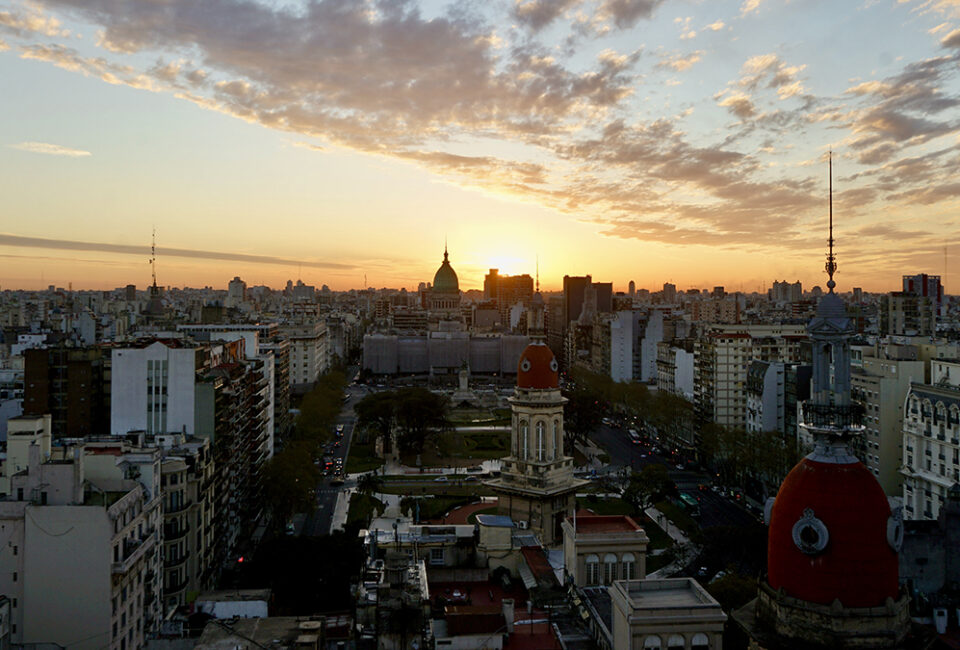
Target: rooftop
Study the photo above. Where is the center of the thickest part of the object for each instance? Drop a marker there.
(597, 524)
(498, 521)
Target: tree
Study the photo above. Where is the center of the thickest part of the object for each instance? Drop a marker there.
(375, 413)
(319, 408)
(648, 486)
(420, 413)
(289, 479)
(369, 483)
(582, 414)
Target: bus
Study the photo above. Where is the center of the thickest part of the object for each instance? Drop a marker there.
(690, 504)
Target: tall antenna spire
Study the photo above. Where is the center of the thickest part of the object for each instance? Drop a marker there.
(831, 258)
(444, 248)
(538, 274)
(153, 257)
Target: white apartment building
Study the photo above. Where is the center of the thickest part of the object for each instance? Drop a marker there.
(621, 346)
(765, 397)
(83, 556)
(309, 357)
(153, 388)
(722, 356)
(879, 381)
(931, 441)
(24, 431)
(675, 370)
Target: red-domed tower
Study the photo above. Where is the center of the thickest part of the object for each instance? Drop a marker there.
(832, 567)
(536, 487)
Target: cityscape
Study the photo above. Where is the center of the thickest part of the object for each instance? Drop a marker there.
(531, 325)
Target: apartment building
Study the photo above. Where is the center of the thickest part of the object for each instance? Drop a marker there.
(722, 355)
(931, 441)
(84, 555)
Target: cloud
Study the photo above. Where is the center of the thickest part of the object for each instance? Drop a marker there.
(680, 62)
(739, 104)
(715, 26)
(627, 13)
(749, 6)
(50, 149)
(952, 39)
(537, 14)
(19, 241)
(31, 21)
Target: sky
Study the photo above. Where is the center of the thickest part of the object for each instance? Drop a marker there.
(346, 142)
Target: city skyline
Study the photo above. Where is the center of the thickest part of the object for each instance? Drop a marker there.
(638, 140)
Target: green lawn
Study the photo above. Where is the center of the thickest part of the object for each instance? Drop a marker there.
(362, 458)
(678, 516)
(362, 509)
(455, 449)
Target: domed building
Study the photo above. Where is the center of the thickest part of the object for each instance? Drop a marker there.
(833, 543)
(445, 293)
(536, 487)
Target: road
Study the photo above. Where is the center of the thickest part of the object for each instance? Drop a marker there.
(318, 523)
(715, 510)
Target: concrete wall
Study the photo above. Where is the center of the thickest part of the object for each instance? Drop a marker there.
(67, 576)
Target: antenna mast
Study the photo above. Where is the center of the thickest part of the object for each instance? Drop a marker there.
(538, 273)
(153, 257)
(831, 258)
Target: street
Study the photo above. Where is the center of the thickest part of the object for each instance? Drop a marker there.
(318, 522)
(715, 510)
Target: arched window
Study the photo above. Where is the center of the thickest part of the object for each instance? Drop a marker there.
(676, 642)
(541, 452)
(700, 641)
(652, 643)
(524, 439)
(557, 441)
(593, 570)
(629, 567)
(609, 568)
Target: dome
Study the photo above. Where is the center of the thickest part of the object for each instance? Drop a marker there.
(445, 280)
(833, 536)
(537, 368)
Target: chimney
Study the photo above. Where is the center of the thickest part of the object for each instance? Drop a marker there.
(507, 604)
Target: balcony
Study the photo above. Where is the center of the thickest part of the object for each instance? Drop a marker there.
(175, 562)
(830, 416)
(173, 509)
(170, 534)
(133, 552)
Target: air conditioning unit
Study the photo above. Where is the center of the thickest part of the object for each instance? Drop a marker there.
(522, 524)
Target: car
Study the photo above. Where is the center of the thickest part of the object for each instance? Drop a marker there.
(339, 428)
(680, 466)
(291, 529)
(471, 479)
(336, 444)
(441, 479)
(643, 455)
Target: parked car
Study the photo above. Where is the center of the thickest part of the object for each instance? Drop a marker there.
(441, 479)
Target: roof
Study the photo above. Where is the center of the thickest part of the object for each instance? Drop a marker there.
(595, 524)
(497, 521)
(445, 280)
(538, 368)
(536, 560)
(828, 539)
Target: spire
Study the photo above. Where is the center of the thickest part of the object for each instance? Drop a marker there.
(153, 257)
(538, 273)
(831, 265)
(445, 249)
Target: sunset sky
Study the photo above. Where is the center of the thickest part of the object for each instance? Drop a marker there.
(646, 140)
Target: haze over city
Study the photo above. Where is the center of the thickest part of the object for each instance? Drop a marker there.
(344, 142)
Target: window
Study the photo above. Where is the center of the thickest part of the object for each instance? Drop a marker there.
(676, 642)
(436, 556)
(609, 568)
(593, 570)
(557, 447)
(540, 442)
(629, 567)
(524, 439)
(652, 643)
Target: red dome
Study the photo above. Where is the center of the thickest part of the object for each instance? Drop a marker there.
(839, 513)
(537, 368)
